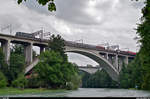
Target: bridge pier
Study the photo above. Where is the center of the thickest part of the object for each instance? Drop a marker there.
(126, 60)
(106, 56)
(42, 49)
(116, 62)
(120, 63)
(28, 53)
(6, 49)
(110, 59)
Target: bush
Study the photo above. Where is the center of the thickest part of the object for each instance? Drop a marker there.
(35, 82)
(20, 82)
(74, 82)
(69, 86)
(3, 81)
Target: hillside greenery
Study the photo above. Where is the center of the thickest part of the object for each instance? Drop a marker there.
(99, 79)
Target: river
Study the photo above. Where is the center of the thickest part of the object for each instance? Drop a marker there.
(89, 92)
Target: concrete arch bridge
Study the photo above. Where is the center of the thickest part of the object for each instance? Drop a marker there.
(109, 60)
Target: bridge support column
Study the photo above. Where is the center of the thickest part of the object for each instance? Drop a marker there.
(106, 56)
(116, 62)
(6, 49)
(110, 59)
(46, 48)
(120, 63)
(126, 61)
(28, 53)
(42, 49)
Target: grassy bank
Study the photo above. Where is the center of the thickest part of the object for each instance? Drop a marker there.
(10, 91)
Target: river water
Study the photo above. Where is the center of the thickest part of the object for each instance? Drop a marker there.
(89, 92)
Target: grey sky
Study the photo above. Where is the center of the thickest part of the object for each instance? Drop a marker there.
(94, 21)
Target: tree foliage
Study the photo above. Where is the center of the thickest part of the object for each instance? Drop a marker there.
(17, 63)
(17, 66)
(2, 56)
(3, 80)
(131, 76)
(100, 79)
(51, 4)
(3, 65)
(52, 71)
(143, 30)
(17, 49)
(21, 82)
(57, 44)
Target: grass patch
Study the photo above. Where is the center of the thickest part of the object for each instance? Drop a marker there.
(11, 91)
(133, 88)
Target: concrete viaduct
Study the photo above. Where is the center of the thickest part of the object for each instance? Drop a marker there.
(109, 60)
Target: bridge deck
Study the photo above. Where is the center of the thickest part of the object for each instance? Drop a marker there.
(39, 41)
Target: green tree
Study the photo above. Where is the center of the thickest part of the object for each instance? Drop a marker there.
(132, 74)
(17, 65)
(100, 79)
(48, 69)
(57, 44)
(143, 30)
(34, 82)
(17, 49)
(53, 72)
(51, 4)
(2, 56)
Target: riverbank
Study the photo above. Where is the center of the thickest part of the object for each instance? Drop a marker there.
(81, 92)
(11, 91)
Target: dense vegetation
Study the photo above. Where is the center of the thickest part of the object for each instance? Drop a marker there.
(131, 75)
(100, 79)
(17, 64)
(54, 73)
(143, 31)
(137, 73)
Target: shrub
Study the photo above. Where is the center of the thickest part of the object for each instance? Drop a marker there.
(3, 80)
(20, 82)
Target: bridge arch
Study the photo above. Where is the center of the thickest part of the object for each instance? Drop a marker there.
(105, 64)
(90, 70)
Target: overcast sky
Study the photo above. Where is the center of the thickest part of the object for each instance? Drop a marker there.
(93, 21)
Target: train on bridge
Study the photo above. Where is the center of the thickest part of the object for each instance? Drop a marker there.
(25, 35)
(98, 47)
(81, 45)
